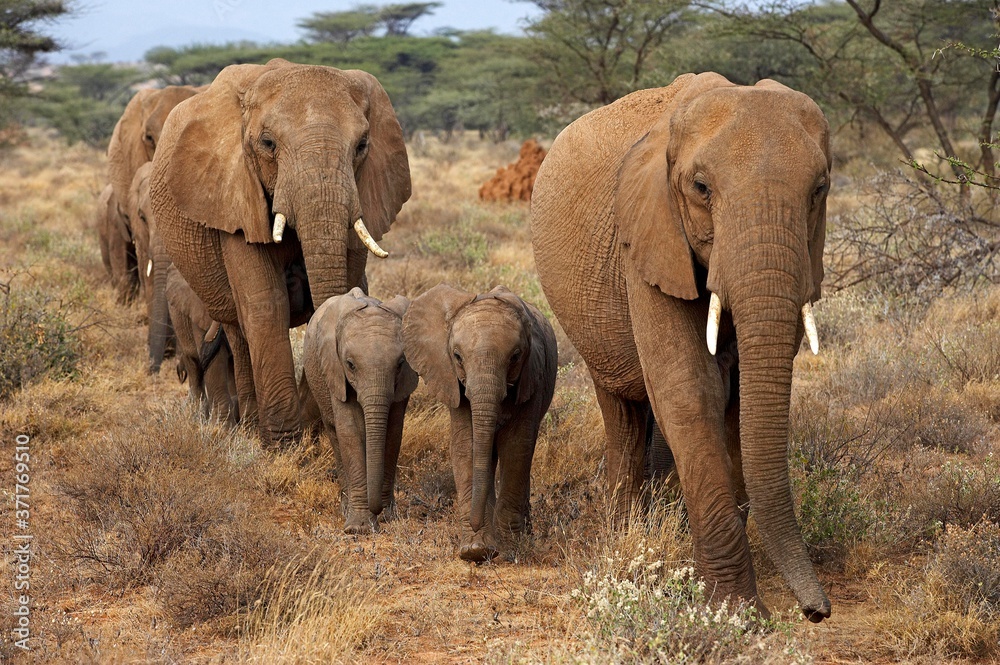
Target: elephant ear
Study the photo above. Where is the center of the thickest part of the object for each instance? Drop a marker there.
(201, 163)
(426, 329)
(650, 224)
(127, 150)
(408, 379)
(329, 321)
(383, 178)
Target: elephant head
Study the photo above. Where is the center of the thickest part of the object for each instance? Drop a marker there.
(314, 148)
(136, 134)
(488, 349)
(356, 343)
(728, 189)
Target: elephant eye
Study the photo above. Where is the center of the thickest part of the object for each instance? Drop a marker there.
(350, 365)
(458, 357)
(702, 189)
(516, 356)
(820, 190)
(363, 144)
(268, 143)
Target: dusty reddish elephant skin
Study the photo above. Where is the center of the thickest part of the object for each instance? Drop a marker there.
(643, 209)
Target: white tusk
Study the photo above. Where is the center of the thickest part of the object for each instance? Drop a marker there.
(366, 238)
(279, 228)
(714, 314)
(810, 324)
(212, 332)
(149, 268)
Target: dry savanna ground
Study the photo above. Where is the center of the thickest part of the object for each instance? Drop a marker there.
(160, 538)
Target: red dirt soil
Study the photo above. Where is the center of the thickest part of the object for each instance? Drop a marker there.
(515, 181)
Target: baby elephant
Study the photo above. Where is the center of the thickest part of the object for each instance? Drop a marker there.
(492, 359)
(214, 387)
(352, 354)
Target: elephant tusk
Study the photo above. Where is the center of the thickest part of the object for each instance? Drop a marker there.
(279, 228)
(714, 314)
(810, 324)
(149, 268)
(366, 238)
(212, 332)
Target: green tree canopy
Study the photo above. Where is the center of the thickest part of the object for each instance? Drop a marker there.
(365, 20)
(22, 40)
(596, 51)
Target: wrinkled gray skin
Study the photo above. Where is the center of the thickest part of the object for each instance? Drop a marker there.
(492, 360)
(215, 387)
(640, 212)
(352, 354)
(117, 249)
(132, 144)
(153, 259)
(318, 145)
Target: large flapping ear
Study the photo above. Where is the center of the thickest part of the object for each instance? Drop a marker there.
(538, 331)
(384, 176)
(647, 210)
(126, 150)
(200, 160)
(328, 320)
(426, 328)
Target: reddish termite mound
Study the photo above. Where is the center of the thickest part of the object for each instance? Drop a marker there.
(515, 181)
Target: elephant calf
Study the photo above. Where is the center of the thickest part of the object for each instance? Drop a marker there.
(492, 359)
(352, 354)
(212, 386)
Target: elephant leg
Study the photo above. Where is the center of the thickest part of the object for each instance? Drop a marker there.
(246, 395)
(352, 472)
(661, 464)
(309, 411)
(258, 284)
(393, 440)
(217, 387)
(515, 450)
(735, 452)
(689, 399)
(475, 545)
(625, 430)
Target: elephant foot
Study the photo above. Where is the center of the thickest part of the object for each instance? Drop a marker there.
(478, 547)
(360, 523)
(514, 523)
(389, 513)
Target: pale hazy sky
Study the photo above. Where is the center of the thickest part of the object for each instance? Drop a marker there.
(125, 29)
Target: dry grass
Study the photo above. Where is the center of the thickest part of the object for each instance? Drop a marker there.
(160, 538)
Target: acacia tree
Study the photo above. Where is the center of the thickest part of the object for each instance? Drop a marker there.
(596, 51)
(364, 21)
(889, 62)
(21, 40)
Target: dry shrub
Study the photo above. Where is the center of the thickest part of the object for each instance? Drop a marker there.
(36, 338)
(952, 609)
(955, 492)
(163, 500)
(313, 609)
(425, 483)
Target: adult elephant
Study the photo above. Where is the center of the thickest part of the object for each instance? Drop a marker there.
(132, 144)
(312, 148)
(699, 201)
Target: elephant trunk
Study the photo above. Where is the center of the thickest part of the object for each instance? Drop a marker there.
(160, 327)
(486, 391)
(322, 221)
(375, 405)
(766, 299)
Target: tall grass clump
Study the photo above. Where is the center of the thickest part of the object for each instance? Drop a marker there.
(36, 339)
(314, 609)
(952, 609)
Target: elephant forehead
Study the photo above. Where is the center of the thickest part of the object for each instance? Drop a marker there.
(301, 91)
(488, 321)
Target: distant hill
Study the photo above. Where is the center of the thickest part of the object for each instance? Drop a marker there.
(133, 47)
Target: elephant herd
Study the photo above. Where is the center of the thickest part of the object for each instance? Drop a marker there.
(678, 236)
